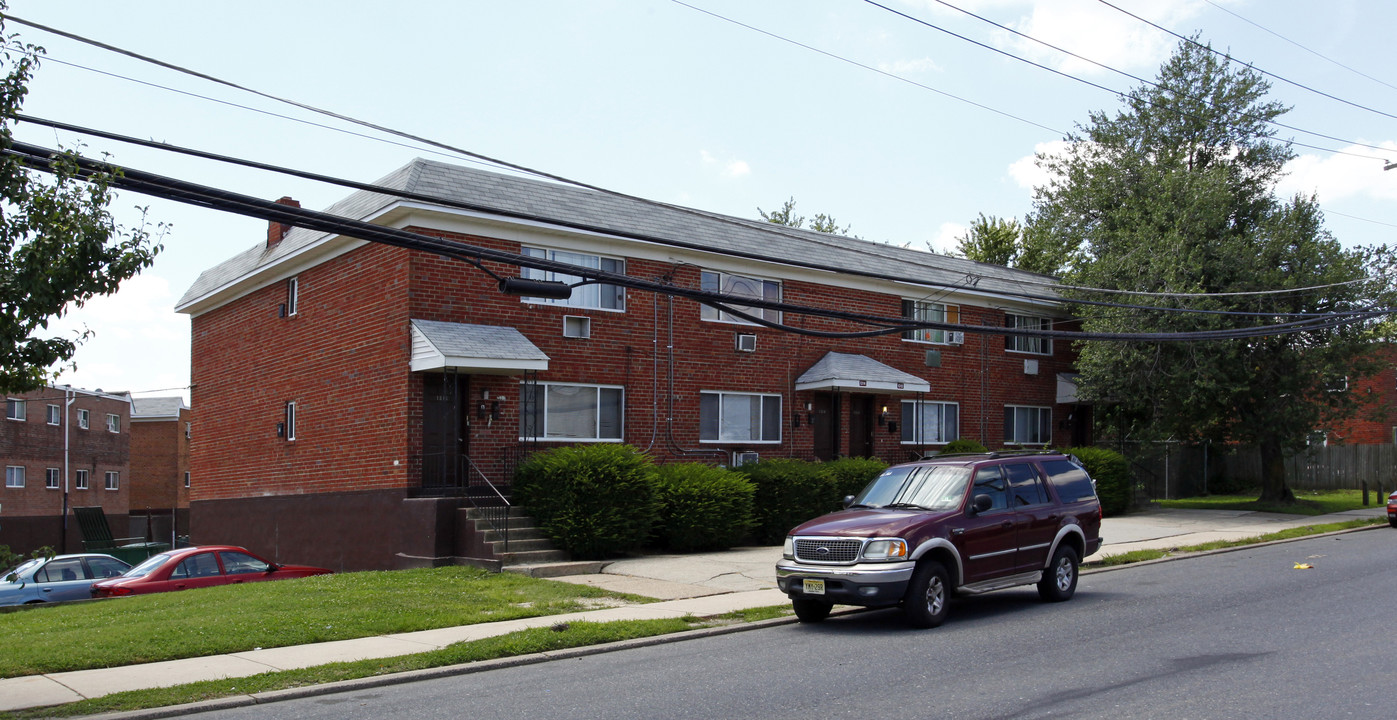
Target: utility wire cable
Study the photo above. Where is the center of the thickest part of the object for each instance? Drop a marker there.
(1221, 54)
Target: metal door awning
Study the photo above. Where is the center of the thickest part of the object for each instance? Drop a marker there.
(476, 349)
(858, 373)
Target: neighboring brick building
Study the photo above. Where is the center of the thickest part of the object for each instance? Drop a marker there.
(341, 388)
(62, 444)
(160, 479)
(1376, 421)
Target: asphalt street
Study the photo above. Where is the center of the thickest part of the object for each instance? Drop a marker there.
(1245, 634)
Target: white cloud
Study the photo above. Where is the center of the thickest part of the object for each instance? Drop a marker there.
(732, 168)
(948, 237)
(1025, 170)
(910, 67)
(1337, 177)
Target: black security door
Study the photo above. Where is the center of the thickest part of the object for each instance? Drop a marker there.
(445, 441)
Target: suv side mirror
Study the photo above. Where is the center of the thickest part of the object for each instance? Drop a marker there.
(981, 503)
(848, 500)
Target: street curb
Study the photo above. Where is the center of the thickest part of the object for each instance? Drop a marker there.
(342, 686)
(1088, 570)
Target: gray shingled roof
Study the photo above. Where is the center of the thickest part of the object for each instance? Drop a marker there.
(838, 370)
(563, 203)
(461, 345)
(156, 407)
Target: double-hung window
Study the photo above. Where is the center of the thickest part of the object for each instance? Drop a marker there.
(558, 411)
(54, 417)
(113, 481)
(14, 476)
(928, 312)
(113, 423)
(739, 417)
(929, 422)
(1024, 425)
(740, 287)
(82, 419)
(80, 479)
(15, 409)
(594, 296)
(1028, 343)
(51, 476)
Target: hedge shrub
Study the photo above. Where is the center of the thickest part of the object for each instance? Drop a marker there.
(788, 492)
(594, 501)
(963, 445)
(701, 507)
(1111, 471)
(851, 474)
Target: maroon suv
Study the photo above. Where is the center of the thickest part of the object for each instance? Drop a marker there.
(923, 531)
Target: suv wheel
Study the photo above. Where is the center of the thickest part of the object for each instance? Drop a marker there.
(811, 611)
(928, 596)
(1060, 580)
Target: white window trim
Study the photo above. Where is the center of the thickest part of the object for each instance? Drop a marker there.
(111, 478)
(113, 423)
(186, 478)
(56, 475)
(21, 408)
(54, 416)
(722, 316)
(84, 419)
(293, 296)
(540, 403)
(945, 311)
(780, 424)
(1047, 341)
(923, 404)
(82, 479)
(550, 275)
(11, 476)
(1049, 409)
(291, 421)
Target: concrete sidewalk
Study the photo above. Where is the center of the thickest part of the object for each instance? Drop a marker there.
(701, 584)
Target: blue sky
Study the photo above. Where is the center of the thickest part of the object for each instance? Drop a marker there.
(858, 113)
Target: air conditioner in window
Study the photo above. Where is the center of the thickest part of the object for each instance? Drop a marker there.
(744, 457)
(746, 343)
(1030, 367)
(577, 326)
(955, 338)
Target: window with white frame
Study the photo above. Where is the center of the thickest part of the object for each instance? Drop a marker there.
(928, 312)
(54, 417)
(113, 481)
(80, 478)
(83, 419)
(291, 421)
(113, 423)
(51, 476)
(186, 478)
(596, 296)
(739, 417)
(1025, 425)
(740, 287)
(16, 409)
(929, 422)
(561, 411)
(14, 476)
(1026, 343)
(293, 295)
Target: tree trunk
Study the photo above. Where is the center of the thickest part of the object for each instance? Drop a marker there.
(1273, 486)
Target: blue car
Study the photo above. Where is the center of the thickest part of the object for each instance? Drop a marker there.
(63, 577)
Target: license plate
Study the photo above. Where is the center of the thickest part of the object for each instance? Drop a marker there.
(814, 587)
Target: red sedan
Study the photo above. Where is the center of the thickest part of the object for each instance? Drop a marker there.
(197, 567)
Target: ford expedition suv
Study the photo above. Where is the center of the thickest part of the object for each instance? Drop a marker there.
(950, 524)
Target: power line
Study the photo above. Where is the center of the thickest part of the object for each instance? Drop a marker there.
(1253, 67)
(181, 191)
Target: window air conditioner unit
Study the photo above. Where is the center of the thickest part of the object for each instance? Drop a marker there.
(955, 338)
(577, 326)
(1030, 367)
(746, 343)
(744, 457)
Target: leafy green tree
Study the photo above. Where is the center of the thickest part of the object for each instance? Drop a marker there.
(59, 247)
(992, 240)
(1175, 195)
(787, 216)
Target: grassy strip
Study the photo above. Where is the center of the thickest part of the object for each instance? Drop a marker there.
(236, 618)
(558, 637)
(1135, 556)
(1307, 502)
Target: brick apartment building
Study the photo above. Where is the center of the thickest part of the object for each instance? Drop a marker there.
(62, 445)
(160, 479)
(1376, 422)
(345, 391)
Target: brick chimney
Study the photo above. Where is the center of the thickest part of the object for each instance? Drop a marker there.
(275, 230)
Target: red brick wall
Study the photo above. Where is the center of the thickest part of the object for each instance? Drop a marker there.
(159, 459)
(1376, 421)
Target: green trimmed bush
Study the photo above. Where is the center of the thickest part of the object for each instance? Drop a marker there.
(789, 492)
(851, 474)
(595, 501)
(701, 507)
(1111, 471)
(963, 445)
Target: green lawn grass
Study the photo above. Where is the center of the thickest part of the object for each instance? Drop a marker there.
(1307, 502)
(234, 618)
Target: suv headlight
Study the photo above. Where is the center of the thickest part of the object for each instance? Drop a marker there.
(788, 548)
(885, 549)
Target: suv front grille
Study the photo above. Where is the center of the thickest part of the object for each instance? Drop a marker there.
(829, 550)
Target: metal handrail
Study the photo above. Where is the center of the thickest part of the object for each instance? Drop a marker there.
(488, 513)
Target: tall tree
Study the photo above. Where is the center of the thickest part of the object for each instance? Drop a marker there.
(787, 216)
(991, 240)
(1173, 197)
(59, 247)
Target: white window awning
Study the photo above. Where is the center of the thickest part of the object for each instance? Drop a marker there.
(858, 373)
(477, 349)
